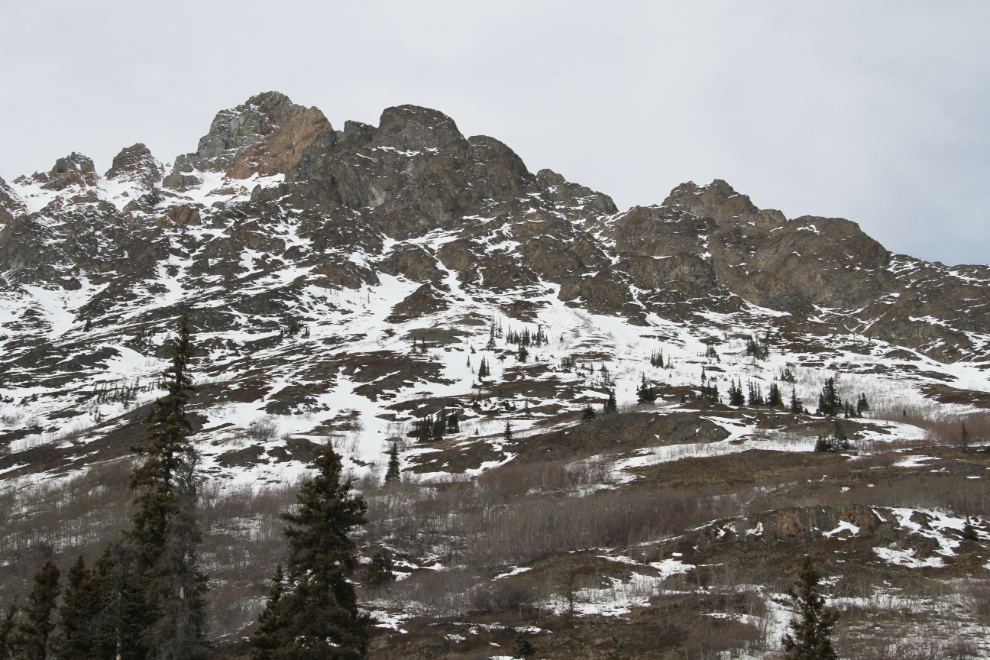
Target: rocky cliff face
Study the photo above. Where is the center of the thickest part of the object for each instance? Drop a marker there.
(375, 239)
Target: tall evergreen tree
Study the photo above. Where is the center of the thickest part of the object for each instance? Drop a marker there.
(314, 616)
(392, 474)
(453, 423)
(123, 610)
(439, 426)
(862, 404)
(736, 395)
(812, 633)
(828, 401)
(79, 615)
(645, 393)
(34, 631)
(507, 434)
(773, 398)
(165, 535)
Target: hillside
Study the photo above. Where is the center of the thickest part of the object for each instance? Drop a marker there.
(345, 285)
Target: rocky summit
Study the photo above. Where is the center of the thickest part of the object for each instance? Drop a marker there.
(352, 286)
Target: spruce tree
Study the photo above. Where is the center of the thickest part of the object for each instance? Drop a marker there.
(796, 406)
(379, 572)
(589, 413)
(812, 633)
(165, 535)
(124, 611)
(8, 630)
(862, 404)
(774, 399)
(270, 634)
(392, 474)
(736, 396)
(79, 615)
(507, 435)
(34, 631)
(453, 424)
(828, 401)
(610, 405)
(645, 392)
(314, 615)
(524, 648)
(439, 426)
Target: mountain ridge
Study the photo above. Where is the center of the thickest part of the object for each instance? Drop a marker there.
(278, 222)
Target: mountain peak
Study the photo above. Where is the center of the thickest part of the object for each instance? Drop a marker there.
(135, 163)
(412, 128)
(265, 135)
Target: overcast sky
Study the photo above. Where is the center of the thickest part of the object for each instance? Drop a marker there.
(873, 111)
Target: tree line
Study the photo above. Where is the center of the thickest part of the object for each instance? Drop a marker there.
(144, 597)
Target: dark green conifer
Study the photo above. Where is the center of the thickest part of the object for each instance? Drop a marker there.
(453, 424)
(812, 632)
(165, 535)
(773, 398)
(315, 615)
(589, 413)
(828, 401)
(34, 631)
(79, 614)
(736, 395)
(862, 404)
(524, 648)
(507, 435)
(392, 474)
(796, 406)
(610, 405)
(645, 393)
(8, 630)
(379, 572)
(439, 426)
(269, 636)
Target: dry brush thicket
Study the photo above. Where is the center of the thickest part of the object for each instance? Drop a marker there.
(453, 536)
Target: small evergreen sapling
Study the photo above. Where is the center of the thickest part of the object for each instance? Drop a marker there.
(524, 648)
(379, 572)
(589, 413)
(796, 406)
(610, 405)
(392, 474)
(812, 633)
